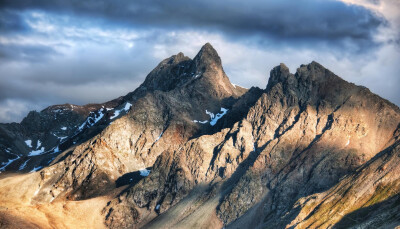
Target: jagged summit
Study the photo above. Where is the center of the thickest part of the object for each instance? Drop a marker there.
(204, 72)
(278, 74)
(208, 57)
(308, 73)
(310, 84)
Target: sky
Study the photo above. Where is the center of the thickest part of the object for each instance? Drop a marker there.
(79, 52)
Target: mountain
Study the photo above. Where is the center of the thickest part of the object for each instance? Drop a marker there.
(188, 149)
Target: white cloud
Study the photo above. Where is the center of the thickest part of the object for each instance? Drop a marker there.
(11, 110)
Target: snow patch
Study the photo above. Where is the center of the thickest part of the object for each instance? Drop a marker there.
(91, 120)
(158, 207)
(61, 138)
(36, 152)
(63, 128)
(127, 106)
(36, 169)
(348, 142)
(117, 112)
(23, 165)
(234, 85)
(80, 128)
(39, 143)
(144, 172)
(98, 118)
(28, 143)
(8, 163)
(211, 114)
(215, 118)
(49, 162)
(202, 122)
(159, 137)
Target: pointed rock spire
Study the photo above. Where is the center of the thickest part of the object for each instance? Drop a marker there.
(278, 74)
(208, 65)
(208, 56)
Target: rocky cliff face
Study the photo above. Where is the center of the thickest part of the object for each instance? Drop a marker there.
(192, 150)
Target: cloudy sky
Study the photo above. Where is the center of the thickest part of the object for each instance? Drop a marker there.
(54, 51)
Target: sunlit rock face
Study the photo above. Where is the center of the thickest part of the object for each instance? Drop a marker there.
(313, 128)
(304, 133)
(188, 149)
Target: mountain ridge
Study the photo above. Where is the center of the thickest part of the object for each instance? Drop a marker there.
(188, 149)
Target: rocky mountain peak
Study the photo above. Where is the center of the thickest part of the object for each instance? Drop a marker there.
(207, 67)
(313, 72)
(168, 73)
(203, 74)
(175, 59)
(278, 74)
(316, 72)
(208, 56)
(311, 84)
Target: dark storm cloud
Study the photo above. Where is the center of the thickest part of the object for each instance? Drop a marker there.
(11, 21)
(93, 60)
(56, 51)
(31, 53)
(303, 20)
